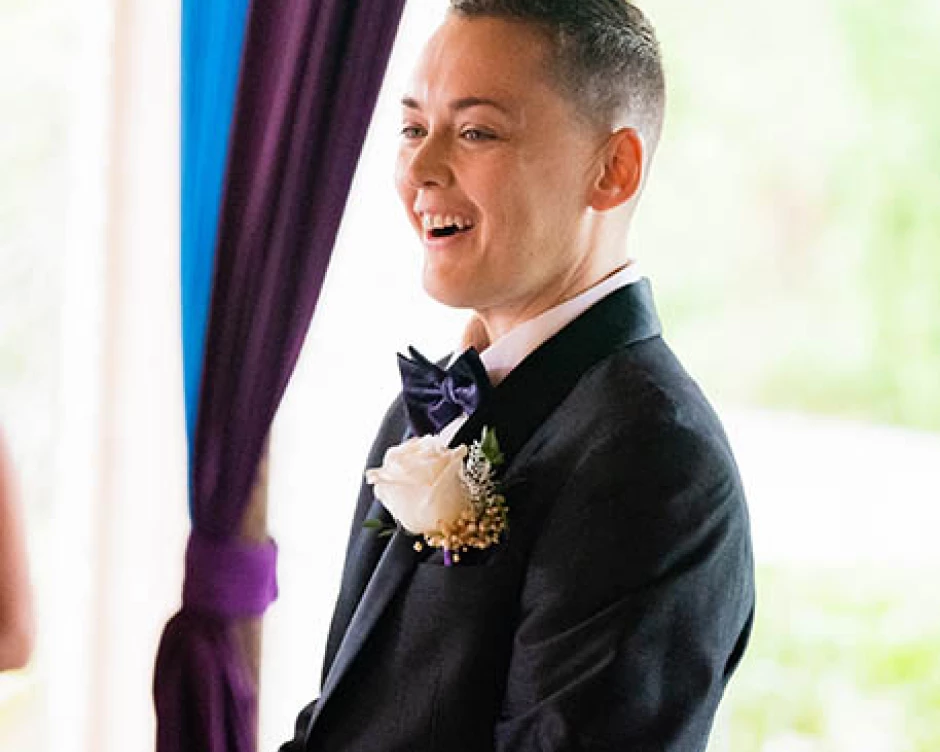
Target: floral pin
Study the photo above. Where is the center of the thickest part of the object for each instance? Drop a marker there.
(450, 497)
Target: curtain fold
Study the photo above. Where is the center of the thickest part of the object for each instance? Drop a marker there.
(309, 79)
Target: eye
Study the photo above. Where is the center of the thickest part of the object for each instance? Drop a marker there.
(412, 131)
(475, 134)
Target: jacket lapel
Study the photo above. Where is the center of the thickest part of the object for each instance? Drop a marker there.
(534, 388)
(394, 567)
(514, 410)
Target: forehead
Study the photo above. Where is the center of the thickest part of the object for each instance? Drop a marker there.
(482, 56)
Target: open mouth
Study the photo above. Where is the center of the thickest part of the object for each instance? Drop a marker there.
(448, 231)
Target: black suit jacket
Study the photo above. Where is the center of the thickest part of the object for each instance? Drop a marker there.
(613, 614)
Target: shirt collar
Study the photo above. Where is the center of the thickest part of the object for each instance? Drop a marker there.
(503, 355)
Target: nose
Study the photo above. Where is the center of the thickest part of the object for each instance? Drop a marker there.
(427, 164)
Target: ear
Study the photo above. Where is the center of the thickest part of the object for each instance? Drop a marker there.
(621, 172)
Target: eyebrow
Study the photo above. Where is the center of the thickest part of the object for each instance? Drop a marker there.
(463, 103)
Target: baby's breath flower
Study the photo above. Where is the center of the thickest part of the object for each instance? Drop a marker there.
(486, 518)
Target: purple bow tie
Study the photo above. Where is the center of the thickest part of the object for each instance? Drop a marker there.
(434, 396)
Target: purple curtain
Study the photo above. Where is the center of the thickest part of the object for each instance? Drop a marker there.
(310, 76)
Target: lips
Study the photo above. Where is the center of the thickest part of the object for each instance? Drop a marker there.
(440, 224)
(444, 238)
(446, 232)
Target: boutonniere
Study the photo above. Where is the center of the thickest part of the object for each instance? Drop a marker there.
(450, 497)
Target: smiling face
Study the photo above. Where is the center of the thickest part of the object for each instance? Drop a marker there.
(496, 172)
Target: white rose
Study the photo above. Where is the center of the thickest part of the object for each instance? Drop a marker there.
(420, 484)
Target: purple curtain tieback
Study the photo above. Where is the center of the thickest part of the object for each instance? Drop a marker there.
(229, 578)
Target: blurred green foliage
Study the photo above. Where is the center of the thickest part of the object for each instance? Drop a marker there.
(897, 59)
(839, 660)
(792, 221)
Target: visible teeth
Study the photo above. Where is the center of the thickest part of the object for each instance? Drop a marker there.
(439, 221)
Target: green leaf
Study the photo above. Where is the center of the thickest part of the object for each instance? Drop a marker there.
(384, 530)
(489, 445)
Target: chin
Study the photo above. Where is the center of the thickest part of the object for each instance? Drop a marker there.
(448, 293)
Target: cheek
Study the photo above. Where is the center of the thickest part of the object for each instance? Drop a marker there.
(506, 206)
(524, 219)
(534, 194)
(405, 192)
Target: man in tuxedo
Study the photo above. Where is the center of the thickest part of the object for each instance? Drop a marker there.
(613, 611)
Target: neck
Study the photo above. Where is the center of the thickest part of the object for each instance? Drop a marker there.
(604, 238)
(490, 325)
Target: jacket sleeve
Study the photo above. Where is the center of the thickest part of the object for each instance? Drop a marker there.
(298, 743)
(637, 601)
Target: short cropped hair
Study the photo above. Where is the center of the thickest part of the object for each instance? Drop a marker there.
(605, 59)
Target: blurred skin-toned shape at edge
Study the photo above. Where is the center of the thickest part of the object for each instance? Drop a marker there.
(16, 601)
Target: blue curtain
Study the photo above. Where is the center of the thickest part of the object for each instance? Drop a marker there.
(212, 35)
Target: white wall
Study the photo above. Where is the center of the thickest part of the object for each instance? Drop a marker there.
(118, 536)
